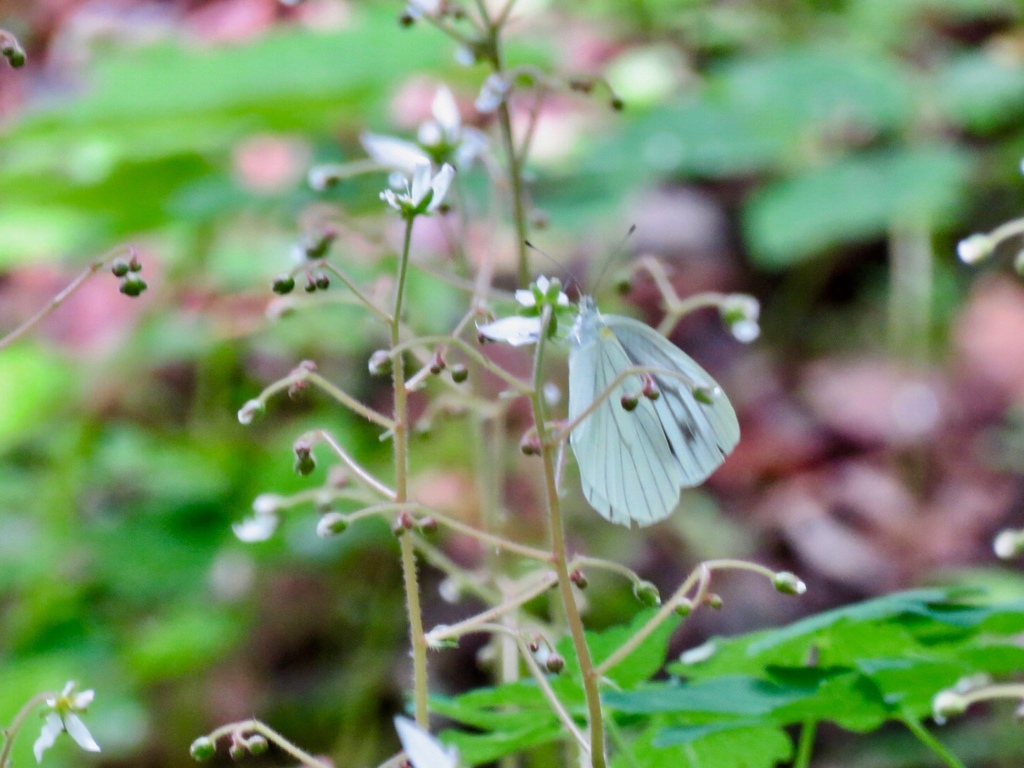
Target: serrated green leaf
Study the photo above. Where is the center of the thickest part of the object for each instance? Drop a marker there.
(855, 198)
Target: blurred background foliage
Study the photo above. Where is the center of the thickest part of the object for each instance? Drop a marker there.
(824, 155)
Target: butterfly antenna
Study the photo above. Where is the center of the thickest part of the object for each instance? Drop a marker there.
(569, 279)
(614, 256)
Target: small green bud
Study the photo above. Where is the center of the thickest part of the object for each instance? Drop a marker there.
(788, 583)
(555, 663)
(257, 744)
(578, 578)
(283, 284)
(629, 401)
(703, 395)
(322, 282)
(714, 601)
(132, 286)
(134, 264)
(250, 411)
(406, 20)
(305, 459)
(202, 749)
(438, 364)
(331, 524)
(650, 388)
(119, 267)
(647, 593)
(617, 104)
(459, 373)
(428, 526)
(684, 608)
(530, 444)
(237, 750)
(11, 49)
(380, 363)
(623, 285)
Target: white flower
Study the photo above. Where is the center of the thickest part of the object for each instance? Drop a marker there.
(259, 527)
(426, 192)
(740, 313)
(515, 330)
(463, 144)
(422, 749)
(493, 93)
(395, 154)
(63, 718)
(974, 248)
(528, 297)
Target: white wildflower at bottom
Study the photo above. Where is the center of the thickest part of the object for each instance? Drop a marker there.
(422, 749)
(63, 718)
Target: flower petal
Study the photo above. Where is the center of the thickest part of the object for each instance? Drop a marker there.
(256, 528)
(392, 153)
(515, 330)
(52, 727)
(76, 730)
(420, 182)
(526, 298)
(83, 700)
(440, 185)
(422, 749)
(446, 112)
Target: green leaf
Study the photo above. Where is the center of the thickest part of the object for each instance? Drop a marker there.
(855, 198)
(981, 92)
(478, 748)
(726, 745)
(736, 696)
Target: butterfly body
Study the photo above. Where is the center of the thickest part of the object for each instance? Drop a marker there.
(634, 463)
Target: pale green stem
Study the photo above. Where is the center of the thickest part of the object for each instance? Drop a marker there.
(475, 623)
(483, 362)
(466, 581)
(911, 280)
(805, 745)
(994, 691)
(926, 738)
(543, 684)
(400, 433)
(11, 731)
(322, 435)
(606, 565)
(560, 557)
(255, 726)
(301, 375)
(54, 304)
(365, 300)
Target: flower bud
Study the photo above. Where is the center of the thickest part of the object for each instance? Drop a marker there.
(534, 645)
(650, 388)
(578, 578)
(947, 704)
(647, 593)
(322, 281)
(1008, 544)
(530, 444)
(629, 401)
(132, 285)
(714, 601)
(617, 104)
(202, 749)
(788, 583)
(703, 395)
(684, 608)
(331, 524)
(438, 364)
(406, 520)
(305, 459)
(267, 503)
(237, 750)
(310, 286)
(11, 49)
(119, 267)
(428, 525)
(380, 363)
(283, 284)
(581, 84)
(134, 265)
(623, 285)
(459, 373)
(257, 744)
(554, 663)
(250, 411)
(973, 249)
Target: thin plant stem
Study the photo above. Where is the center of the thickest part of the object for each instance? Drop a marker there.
(446, 565)
(54, 304)
(343, 397)
(364, 475)
(11, 731)
(926, 738)
(400, 437)
(483, 362)
(560, 557)
(805, 745)
(515, 190)
(365, 300)
(475, 623)
(256, 726)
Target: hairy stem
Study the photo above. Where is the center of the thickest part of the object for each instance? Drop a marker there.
(400, 438)
(11, 731)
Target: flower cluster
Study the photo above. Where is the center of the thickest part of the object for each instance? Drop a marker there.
(62, 717)
(525, 327)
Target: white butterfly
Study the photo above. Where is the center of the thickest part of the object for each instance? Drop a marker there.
(633, 464)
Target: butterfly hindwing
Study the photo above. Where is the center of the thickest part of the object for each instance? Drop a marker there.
(633, 463)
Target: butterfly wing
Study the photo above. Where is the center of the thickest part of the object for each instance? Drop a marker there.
(633, 463)
(701, 435)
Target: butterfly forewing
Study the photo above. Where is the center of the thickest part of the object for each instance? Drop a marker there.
(633, 463)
